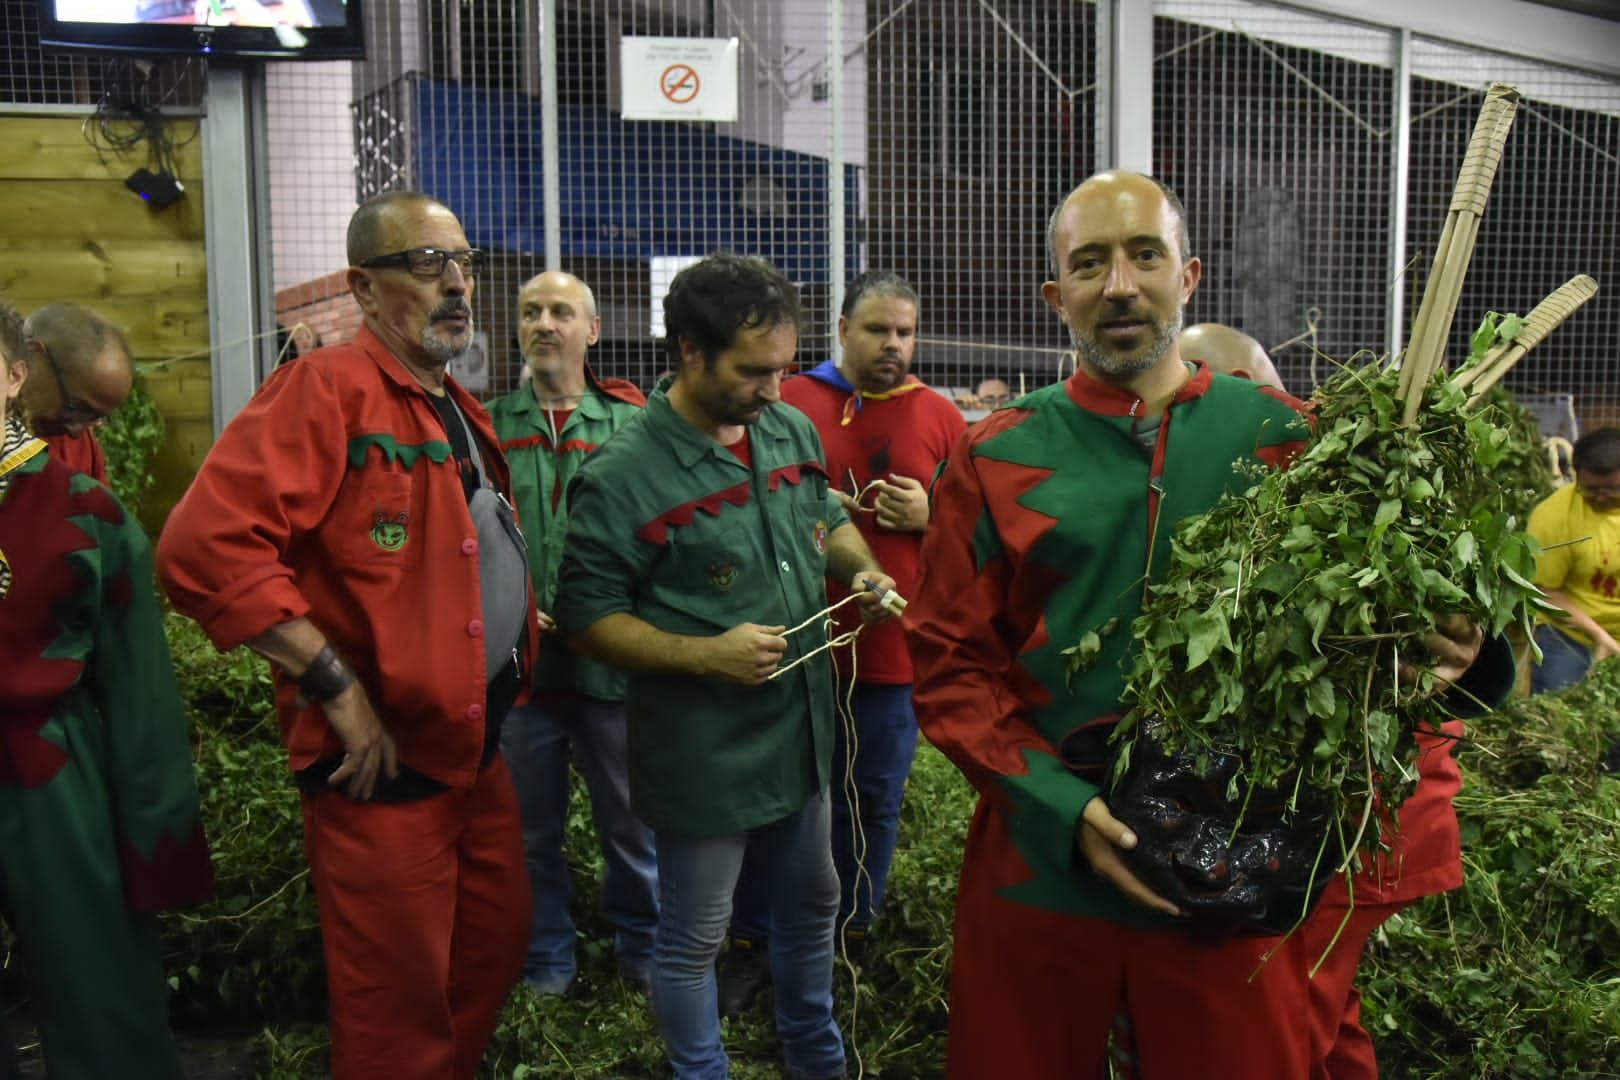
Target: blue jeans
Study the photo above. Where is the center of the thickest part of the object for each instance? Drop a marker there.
(696, 878)
(538, 741)
(885, 744)
(1563, 661)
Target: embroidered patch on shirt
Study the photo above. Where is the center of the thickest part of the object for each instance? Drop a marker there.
(821, 537)
(722, 575)
(389, 533)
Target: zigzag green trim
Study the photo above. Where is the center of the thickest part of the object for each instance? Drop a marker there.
(393, 450)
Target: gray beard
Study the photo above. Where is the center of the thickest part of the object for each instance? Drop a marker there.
(1110, 363)
(444, 350)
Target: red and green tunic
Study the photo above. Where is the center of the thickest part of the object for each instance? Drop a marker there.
(1048, 521)
(83, 651)
(543, 462)
(98, 799)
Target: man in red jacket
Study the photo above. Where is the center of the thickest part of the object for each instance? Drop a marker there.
(884, 433)
(352, 526)
(86, 375)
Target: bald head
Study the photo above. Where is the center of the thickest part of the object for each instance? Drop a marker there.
(1115, 179)
(374, 226)
(557, 323)
(83, 368)
(1231, 352)
(560, 281)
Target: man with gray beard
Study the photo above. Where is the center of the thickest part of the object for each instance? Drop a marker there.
(352, 526)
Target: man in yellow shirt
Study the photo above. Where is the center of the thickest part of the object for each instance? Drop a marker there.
(1578, 527)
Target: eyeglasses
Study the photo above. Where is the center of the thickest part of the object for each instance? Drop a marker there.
(429, 263)
(73, 410)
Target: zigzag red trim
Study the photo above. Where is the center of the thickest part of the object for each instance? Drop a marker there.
(793, 474)
(656, 531)
(545, 443)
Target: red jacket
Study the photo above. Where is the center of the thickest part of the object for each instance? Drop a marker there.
(334, 496)
(1425, 854)
(81, 453)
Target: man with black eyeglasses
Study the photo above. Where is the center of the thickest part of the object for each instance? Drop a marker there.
(87, 376)
(352, 526)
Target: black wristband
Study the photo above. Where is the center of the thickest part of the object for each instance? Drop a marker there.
(326, 677)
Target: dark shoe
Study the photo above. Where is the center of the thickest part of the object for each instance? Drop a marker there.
(638, 976)
(851, 944)
(549, 984)
(742, 973)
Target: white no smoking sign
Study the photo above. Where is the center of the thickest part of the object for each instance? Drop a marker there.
(679, 78)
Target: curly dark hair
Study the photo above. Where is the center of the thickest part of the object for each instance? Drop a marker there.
(710, 301)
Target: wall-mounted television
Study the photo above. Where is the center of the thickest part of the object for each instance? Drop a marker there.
(268, 29)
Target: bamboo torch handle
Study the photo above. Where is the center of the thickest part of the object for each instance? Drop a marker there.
(1543, 319)
(1484, 154)
(1432, 326)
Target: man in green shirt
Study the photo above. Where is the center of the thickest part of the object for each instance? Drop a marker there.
(547, 428)
(697, 553)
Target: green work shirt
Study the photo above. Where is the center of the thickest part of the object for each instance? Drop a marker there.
(542, 464)
(670, 527)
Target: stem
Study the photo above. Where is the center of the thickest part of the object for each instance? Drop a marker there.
(1366, 735)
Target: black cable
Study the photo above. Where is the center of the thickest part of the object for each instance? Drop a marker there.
(125, 117)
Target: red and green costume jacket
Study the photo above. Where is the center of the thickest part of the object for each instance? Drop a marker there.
(87, 672)
(1048, 519)
(542, 463)
(673, 528)
(334, 496)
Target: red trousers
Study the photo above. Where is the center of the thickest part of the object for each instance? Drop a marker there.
(1034, 992)
(1340, 1047)
(424, 922)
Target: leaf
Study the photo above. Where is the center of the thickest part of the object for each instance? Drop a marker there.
(1512, 326)
(1082, 655)
(1483, 338)
(1388, 511)
(1208, 631)
(1319, 698)
(1463, 550)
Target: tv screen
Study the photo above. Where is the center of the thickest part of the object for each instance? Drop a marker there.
(272, 29)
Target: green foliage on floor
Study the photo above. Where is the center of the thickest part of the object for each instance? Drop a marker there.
(252, 956)
(1517, 975)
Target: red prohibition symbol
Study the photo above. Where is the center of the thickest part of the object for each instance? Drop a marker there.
(679, 83)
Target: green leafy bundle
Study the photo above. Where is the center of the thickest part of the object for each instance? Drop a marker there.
(1524, 473)
(1279, 626)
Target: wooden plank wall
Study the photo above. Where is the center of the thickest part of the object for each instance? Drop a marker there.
(74, 232)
